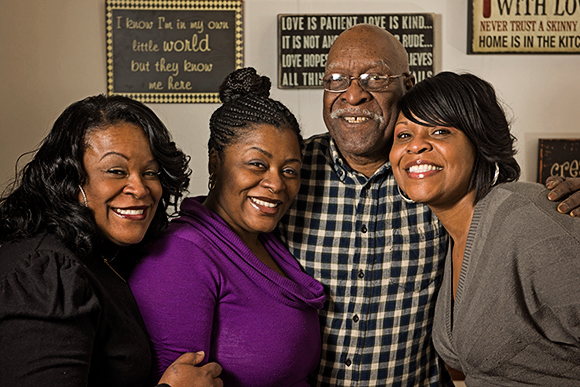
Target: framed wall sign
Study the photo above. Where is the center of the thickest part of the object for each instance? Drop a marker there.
(523, 26)
(304, 41)
(171, 51)
(558, 157)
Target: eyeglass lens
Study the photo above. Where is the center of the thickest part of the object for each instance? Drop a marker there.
(370, 82)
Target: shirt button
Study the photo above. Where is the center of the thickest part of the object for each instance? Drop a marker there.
(355, 318)
(348, 362)
(361, 274)
(364, 229)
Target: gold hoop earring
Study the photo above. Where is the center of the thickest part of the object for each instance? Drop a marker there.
(211, 182)
(84, 196)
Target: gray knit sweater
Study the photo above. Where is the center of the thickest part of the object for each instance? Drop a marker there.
(516, 317)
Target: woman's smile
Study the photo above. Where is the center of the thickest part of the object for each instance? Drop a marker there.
(136, 213)
(420, 169)
(265, 206)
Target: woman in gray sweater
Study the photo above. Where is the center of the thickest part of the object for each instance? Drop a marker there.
(508, 312)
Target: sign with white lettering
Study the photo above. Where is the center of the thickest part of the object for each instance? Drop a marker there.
(524, 26)
(558, 158)
(304, 41)
(170, 51)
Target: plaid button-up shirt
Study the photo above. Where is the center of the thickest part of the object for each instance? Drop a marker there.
(380, 261)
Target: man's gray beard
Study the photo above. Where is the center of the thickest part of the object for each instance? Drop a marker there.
(342, 112)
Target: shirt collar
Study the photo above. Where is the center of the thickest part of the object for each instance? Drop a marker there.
(344, 171)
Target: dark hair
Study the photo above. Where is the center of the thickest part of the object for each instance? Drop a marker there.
(467, 103)
(44, 195)
(245, 97)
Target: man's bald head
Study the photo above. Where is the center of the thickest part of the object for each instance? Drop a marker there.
(377, 41)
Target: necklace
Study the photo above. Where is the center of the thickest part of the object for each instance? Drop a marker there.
(115, 271)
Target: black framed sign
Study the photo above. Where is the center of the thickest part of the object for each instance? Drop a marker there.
(523, 26)
(171, 51)
(304, 41)
(558, 157)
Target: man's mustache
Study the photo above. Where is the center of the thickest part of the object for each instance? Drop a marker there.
(356, 112)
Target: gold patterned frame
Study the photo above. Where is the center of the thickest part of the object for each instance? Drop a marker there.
(205, 5)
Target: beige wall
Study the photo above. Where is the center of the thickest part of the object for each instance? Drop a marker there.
(53, 53)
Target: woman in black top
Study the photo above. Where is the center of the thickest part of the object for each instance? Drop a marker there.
(99, 185)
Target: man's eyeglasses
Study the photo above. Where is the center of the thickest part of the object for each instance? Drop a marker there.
(338, 83)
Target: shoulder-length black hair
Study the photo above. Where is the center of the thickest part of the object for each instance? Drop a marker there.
(44, 194)
(467, 103)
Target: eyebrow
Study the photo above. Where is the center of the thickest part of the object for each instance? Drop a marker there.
(114, 154)
(125, 157)
(268, 154)
(373, 63)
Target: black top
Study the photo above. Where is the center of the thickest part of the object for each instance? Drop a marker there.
(66, 320)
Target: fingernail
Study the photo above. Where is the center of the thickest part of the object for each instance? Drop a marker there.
(563, 208)
(552, 196)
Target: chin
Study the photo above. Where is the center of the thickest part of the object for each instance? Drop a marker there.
(265, 228)
(127, 240)
(418, 197)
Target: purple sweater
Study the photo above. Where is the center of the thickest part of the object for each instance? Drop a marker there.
(201, 288)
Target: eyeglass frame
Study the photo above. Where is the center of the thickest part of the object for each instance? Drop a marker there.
(350, 79)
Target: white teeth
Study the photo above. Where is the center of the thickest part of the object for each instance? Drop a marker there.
(422, 168)
(129, 212)
(263, 203)
(355, 120)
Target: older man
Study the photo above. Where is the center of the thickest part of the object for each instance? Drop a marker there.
(379, 258)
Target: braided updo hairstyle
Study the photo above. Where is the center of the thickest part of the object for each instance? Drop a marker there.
(246, 101)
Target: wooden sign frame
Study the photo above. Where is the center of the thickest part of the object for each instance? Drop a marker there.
(523, 27)
(172, 51)
(304, 41)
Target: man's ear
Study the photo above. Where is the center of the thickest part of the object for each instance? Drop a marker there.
(409, 81)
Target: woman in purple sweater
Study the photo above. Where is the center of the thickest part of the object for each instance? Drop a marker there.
(219, 281)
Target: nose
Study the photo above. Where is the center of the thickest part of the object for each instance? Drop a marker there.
(419, 145)
(136, 186)
(274, 181)
(355, 94)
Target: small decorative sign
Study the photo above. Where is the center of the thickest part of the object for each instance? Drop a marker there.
(523, 26)
(170, 51)
(304, 41)
(558, 158)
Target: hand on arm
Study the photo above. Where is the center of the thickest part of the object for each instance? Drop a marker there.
(184, 373)
(568, 189)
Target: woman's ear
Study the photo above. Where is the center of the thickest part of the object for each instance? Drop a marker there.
(213, 161)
